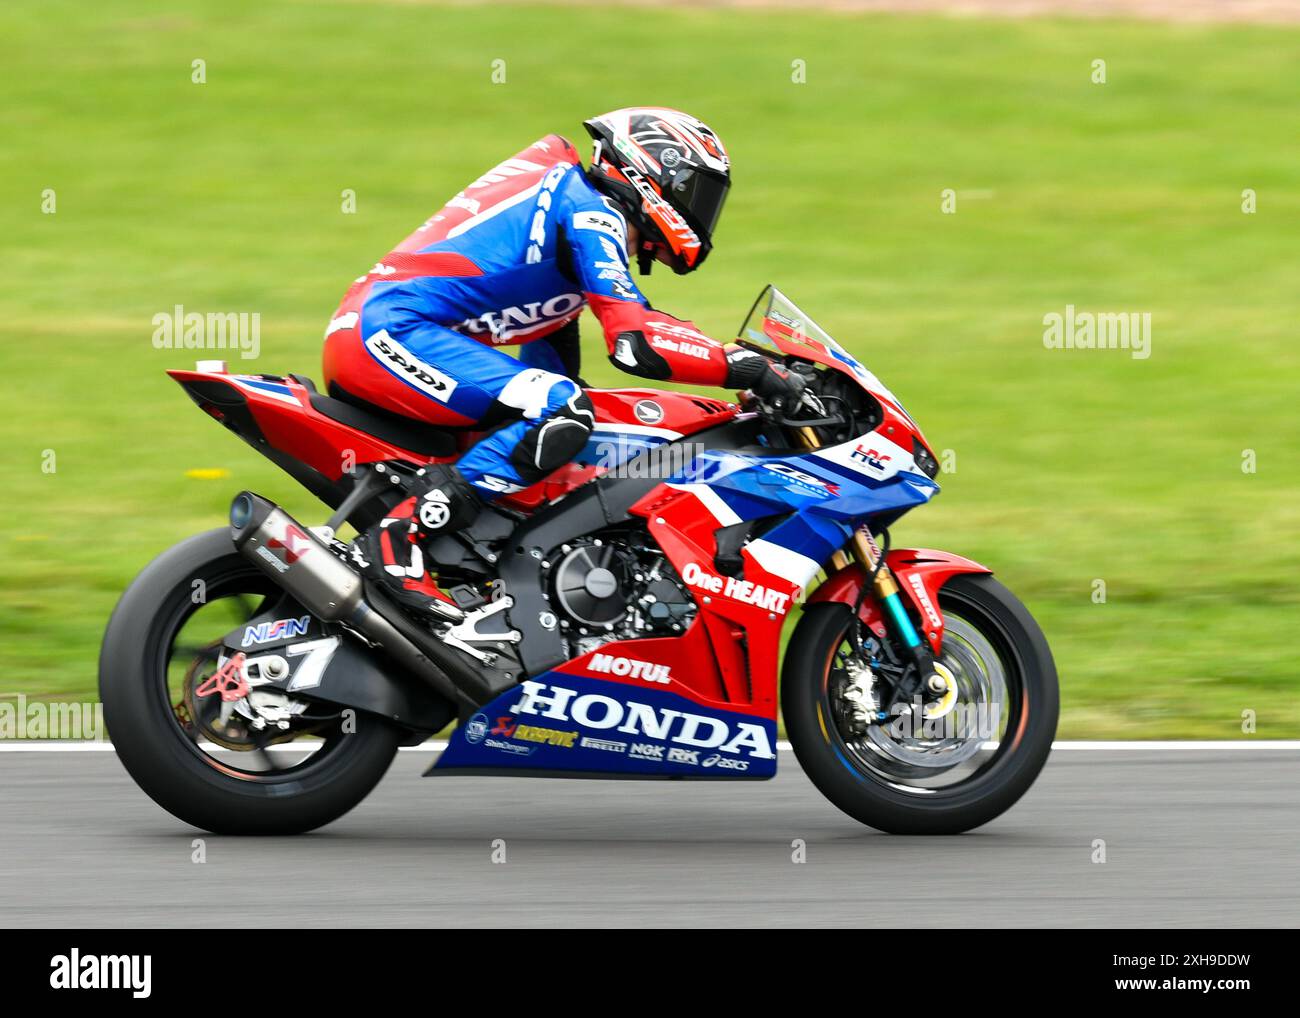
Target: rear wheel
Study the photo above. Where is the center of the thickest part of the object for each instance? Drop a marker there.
(198, 757)
(940, 776)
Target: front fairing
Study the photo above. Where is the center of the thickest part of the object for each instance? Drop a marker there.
(823, 495)
(851, 482)
(777, 327)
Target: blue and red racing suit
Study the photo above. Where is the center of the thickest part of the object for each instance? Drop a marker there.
(511, 260)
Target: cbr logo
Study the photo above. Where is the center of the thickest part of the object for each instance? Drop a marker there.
(265, 632)
(406, 366)
(807, 480)
(510, 322)
(736, 589)
(871, 457)
(593, 710)
(918, 587)
(607, 664)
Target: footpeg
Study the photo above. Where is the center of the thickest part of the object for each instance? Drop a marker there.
(467, 632)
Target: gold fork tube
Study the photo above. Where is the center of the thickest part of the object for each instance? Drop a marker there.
(861, 548)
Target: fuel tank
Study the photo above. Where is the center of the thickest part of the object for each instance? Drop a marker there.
(628, 422)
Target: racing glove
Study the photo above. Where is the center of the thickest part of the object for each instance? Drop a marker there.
(772, 382)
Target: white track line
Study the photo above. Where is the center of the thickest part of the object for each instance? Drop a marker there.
(54, 746)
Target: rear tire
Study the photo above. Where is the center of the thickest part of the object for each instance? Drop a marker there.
(832, 765)
(166, 762)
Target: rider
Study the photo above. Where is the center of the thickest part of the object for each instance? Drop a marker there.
(512, 260)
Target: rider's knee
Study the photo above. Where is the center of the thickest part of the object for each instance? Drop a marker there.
(556, 439)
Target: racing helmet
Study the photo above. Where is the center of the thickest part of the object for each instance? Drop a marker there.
(668, 173)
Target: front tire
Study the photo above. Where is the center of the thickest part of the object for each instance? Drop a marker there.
(213, 791)
(915, 786)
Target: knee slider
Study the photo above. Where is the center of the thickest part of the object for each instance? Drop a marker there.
(556, 440)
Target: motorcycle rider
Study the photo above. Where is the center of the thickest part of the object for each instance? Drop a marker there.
(512, 260)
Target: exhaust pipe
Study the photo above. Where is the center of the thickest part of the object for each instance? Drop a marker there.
(305, 568)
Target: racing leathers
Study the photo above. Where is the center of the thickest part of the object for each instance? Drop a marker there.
(510, 261)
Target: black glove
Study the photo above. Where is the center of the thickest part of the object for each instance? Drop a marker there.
(771, 382)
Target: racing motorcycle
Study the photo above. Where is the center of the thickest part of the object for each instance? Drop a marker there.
(622, 618)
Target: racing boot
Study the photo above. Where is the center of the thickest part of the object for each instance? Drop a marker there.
(391, 553)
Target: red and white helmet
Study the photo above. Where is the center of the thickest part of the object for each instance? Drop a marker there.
(668, 173)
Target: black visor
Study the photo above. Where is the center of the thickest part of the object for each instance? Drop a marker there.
(700, 196)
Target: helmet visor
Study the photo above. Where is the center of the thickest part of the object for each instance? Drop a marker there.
(700, 196)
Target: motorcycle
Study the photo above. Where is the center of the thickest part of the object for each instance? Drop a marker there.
(621, 618)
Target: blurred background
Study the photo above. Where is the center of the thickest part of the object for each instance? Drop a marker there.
(928, 186)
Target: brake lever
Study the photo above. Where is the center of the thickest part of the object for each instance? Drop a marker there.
(808, 422)
(811, 400)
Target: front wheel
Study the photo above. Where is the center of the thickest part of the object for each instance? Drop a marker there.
(922, 776)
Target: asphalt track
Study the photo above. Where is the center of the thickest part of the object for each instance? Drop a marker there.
(1193, 837)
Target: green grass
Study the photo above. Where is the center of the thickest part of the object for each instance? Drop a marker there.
(1071, 466)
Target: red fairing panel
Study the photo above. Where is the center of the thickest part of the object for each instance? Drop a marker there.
(741, 616)
(920, 572)
(681, 412)
(290, 423)
(678, 664)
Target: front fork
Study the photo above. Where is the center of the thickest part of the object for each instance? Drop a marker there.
(885, 588)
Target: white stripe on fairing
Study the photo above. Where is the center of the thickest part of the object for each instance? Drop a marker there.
(900, 459)
(1132, 746)
(783, 562)
(711, 501)
(283, 397)
(779, 561)
(499, 207)
(635, 429)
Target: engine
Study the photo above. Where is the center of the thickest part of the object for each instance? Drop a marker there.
(622, 588)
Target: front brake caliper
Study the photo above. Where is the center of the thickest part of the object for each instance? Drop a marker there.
(859, 695)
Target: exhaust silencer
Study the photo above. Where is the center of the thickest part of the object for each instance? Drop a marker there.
(294, 557)
(305, 568)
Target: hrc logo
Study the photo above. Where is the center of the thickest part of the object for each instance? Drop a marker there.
(871, 457)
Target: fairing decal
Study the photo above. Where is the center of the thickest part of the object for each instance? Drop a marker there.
(566, 723)
(921, 572)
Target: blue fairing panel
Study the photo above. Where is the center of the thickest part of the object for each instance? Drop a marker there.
(574, 724)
